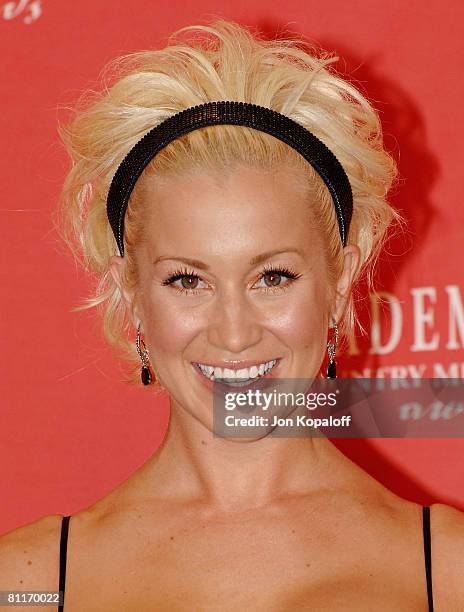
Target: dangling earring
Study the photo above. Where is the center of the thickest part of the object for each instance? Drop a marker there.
(145, 371)
(331, 348)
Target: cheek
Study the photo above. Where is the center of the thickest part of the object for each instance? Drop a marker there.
(300, 325)
(301, 319)
(169, 327)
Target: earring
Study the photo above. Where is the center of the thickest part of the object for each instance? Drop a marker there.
(331, 348)
(145, 371)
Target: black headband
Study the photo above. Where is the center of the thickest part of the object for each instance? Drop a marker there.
(260, 118)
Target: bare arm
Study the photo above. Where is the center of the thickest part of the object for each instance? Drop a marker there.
(29, 558)
(447, 529)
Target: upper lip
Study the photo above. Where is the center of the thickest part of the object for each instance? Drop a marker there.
(236, 365)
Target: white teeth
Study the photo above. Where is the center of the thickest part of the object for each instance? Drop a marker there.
(269, 365)
(244, 374)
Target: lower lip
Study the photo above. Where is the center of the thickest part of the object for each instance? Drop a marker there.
(210, 383)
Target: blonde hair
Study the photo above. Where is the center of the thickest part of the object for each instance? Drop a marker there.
(224, 61)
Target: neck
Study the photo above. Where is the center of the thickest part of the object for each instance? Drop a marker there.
(236, 475)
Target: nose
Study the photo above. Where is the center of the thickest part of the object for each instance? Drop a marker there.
(234, 325)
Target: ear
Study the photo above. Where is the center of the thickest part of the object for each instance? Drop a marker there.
(116, 268)
(352, 259)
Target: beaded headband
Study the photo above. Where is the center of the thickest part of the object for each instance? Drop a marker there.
(260, 118)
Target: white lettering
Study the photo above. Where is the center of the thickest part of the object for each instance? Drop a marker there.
(456, 318)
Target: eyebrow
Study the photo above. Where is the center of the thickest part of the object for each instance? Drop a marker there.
(253, 261)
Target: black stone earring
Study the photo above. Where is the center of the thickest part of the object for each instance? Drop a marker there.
(145, 370)
(331, 348)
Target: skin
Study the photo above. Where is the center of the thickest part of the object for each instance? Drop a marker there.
(209, 523)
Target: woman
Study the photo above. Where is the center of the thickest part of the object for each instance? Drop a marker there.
(233, 251)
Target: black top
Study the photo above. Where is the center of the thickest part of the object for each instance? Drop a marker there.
(427, 554)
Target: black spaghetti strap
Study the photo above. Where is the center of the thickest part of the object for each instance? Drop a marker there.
(427, 553)
(63, 554)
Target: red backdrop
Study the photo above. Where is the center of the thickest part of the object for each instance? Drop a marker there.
(70, 431)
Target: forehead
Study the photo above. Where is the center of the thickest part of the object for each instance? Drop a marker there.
(234, 212)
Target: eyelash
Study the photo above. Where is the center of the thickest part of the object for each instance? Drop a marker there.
(281, 270)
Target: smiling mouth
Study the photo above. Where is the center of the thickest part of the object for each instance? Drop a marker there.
(236, 378)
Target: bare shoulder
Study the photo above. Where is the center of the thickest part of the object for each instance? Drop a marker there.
(447, 543)
(29, 557)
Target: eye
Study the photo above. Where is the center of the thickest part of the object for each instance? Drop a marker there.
(276, 279)
(189, 281)
(273, 278)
